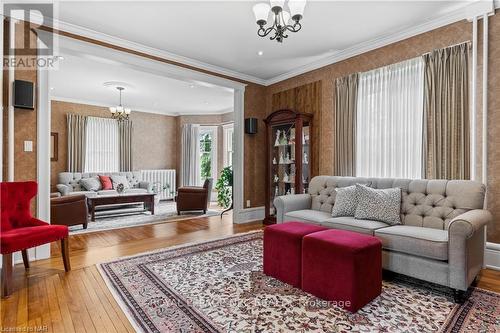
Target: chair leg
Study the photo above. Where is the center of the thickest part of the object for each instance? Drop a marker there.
(26, 259)
(6, 274)
(65, 254)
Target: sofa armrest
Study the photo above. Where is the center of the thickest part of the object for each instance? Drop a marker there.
(290, 203)
(63, 189)
(466, 242)
(466, 224)
(146, 185)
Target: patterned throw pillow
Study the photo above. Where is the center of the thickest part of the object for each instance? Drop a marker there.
(120, 180)
(380, 205)
(91, 184)
(346, 201)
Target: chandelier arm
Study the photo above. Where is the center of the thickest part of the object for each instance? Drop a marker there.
(295, 27)
(264, 32)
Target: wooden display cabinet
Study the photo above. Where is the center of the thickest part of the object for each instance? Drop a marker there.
(288, 156)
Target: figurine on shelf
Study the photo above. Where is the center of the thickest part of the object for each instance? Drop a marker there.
(281, 158)
(285, 178)
(276, 193)
(288, 192)
(293, 190)
(278, 136)
(306, 160)
(276, 178)
(287, 158)
(304, 191)
(283, 140)
(274, 160)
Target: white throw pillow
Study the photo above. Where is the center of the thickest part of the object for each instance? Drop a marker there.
(91, 184)
(120, 180)
(346, 201)
(382, 205)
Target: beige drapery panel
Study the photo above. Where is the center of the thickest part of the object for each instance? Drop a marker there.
(125, 140)
(77, 131)
(446, 108)
(346, 95)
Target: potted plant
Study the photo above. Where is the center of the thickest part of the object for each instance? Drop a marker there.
(224, 187)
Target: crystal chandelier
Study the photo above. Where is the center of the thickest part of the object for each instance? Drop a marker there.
(119, 112)
(281, 22)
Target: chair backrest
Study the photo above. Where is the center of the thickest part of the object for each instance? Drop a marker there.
(73, 178)
(15, 198)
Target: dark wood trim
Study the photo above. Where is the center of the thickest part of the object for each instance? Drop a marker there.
(55, 153)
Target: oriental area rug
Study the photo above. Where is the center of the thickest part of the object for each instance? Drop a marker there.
(218, 286)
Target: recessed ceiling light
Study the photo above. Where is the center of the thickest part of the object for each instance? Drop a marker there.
(52, 88)
(191, 85)
(260, 53)
(206, 103)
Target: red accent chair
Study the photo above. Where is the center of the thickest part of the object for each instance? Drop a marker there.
(342, 266)
(19, 231)
(283, 250)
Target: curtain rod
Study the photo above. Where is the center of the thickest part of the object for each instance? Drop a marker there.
(468, 42)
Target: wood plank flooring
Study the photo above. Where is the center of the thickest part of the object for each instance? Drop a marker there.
(79, 301)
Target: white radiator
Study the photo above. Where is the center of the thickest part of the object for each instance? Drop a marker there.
(163, 178)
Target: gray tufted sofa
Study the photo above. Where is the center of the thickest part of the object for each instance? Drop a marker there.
(441, 238)
(69, 183)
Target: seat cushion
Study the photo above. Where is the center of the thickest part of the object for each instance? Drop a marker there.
(351, 224)
(136, 191)
(419, 241)
(307, 216)
(24, 238)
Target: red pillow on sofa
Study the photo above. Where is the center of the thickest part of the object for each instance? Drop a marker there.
(106, 182)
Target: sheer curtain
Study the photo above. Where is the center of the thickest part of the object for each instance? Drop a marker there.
(389, 126)
(103, 145)
(190, 158)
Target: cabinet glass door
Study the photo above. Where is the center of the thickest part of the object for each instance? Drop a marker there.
(306, 157)
(283, 162)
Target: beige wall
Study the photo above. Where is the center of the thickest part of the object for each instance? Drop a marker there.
(406, 49)
(154, 143)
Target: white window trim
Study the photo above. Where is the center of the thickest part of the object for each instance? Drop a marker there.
(225, 129)
(214, 149)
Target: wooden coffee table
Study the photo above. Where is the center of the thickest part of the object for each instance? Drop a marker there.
(146, 198)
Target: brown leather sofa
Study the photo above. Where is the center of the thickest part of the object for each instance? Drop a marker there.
(69, 210)
(194, 198)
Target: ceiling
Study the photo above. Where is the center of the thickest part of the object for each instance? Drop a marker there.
(223, 34)
(80, 78)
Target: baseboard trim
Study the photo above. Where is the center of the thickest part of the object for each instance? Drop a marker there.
(492, 256)
(250, 215)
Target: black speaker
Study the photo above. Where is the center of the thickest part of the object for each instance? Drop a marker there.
(251, 126)
(24, 97)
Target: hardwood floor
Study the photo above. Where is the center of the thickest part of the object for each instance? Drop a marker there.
(79, 301)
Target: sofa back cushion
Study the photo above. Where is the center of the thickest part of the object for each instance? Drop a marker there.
(424, 203)
(73, 178)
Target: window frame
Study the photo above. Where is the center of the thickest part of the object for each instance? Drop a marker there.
(213, 163)
(228, 129)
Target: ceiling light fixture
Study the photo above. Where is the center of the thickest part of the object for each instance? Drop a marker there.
(260, 53)
(281, 23)
(119, 112)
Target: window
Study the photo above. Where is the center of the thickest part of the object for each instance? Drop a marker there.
(228, 131)
(389, 121)
(208, 152)
(102, 141)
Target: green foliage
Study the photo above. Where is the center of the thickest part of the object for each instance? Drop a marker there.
(206, 156)
(224, 187)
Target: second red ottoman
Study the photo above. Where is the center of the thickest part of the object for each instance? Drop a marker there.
(283, 250)
(343, 267)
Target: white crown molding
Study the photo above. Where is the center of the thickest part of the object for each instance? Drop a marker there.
(142, 110)
(448, 18)
(459, 14)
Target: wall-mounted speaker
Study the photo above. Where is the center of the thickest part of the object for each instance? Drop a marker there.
(24, 95)
(251, 126)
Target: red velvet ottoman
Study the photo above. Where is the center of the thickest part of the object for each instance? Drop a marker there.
(283, 250)
(342, 267)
